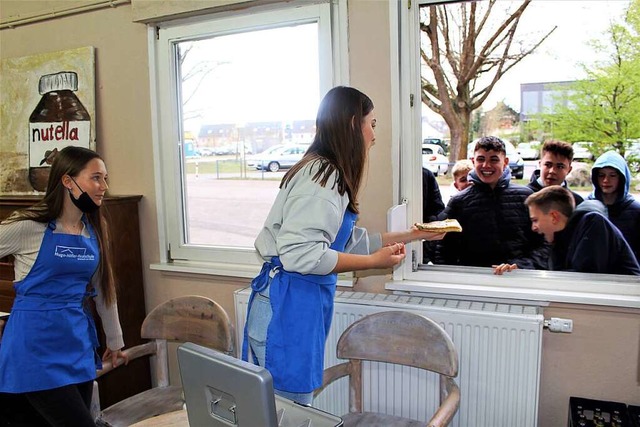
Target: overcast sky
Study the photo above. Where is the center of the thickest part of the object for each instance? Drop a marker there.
(250, 86)
(557, 59)
(261, 76)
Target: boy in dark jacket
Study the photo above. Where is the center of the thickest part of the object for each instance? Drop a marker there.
(582, 239)
(432, 206)
(432, 203)
(496, 230)
(555, 165)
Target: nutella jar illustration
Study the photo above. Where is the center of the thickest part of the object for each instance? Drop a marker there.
(59, 120)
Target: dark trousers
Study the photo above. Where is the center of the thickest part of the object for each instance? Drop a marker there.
(66, 406)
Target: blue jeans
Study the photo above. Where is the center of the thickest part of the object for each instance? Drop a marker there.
(257, 323)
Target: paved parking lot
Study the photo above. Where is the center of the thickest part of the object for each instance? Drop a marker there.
(231, 212)
(228, 212)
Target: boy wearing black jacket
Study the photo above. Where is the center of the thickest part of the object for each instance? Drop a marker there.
(582, 239)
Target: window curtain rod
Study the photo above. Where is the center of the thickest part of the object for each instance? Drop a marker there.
(44, 16)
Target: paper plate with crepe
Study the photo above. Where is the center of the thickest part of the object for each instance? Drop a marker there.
(446, 226)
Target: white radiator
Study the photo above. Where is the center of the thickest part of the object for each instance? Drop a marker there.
(499, 349)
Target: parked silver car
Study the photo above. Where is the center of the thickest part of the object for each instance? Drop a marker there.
(282, 157)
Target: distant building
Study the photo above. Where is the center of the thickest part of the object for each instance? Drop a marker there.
(216, 135)
(301, 131)
(229, 138)
(536, 98)
(501, 120)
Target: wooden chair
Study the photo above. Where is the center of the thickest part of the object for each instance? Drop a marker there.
(190, 318)
(402, 338)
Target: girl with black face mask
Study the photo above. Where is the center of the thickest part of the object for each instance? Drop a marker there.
(48, 357)
(85, 203)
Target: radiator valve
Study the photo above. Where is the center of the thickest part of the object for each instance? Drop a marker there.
(558, 324)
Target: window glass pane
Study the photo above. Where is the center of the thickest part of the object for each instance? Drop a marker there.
(562, 57)
(248, 105)
(530, 103)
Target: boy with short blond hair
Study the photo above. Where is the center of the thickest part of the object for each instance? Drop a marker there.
(581, 239)
(460, 173)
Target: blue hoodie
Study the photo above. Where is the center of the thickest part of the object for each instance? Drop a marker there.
(624, 213)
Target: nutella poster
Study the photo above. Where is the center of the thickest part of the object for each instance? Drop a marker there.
(48, 103)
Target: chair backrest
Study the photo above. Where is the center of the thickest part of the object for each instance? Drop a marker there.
(400, 337)
(191, 318)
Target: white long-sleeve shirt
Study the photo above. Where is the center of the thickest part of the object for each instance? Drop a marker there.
(23, 239)
(303, 222)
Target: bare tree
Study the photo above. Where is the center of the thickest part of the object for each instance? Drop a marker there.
(193, 75)
(467, 53)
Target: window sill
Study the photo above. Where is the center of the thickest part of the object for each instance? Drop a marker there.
(228, 270)
(208, 268)
(539, 288)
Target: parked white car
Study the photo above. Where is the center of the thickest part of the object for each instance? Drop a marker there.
(581, 151)
(433, 158)
(529, 150)
(633, 151)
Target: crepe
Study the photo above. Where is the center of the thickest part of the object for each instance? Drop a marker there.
(446, 226)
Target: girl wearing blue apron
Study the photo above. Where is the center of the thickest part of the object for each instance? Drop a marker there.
(308, 238)
(48, 357)
(65, 264)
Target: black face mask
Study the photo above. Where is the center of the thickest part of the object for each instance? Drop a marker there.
(84, 202)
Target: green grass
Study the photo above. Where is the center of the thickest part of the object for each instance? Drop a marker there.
(219, 166)
(236, 167)
(230, 169)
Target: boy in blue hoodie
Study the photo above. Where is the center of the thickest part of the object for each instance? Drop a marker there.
(611, 180)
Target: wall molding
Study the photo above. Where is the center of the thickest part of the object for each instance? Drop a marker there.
(31, 18)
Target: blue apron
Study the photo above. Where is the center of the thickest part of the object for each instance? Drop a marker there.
(302, 306)
(50, 339)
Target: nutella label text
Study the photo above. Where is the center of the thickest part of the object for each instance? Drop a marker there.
(64, 131)
(45, 136)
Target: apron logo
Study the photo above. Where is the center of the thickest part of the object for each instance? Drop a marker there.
(72, 252)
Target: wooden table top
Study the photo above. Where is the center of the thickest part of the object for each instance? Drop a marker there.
(171, 419)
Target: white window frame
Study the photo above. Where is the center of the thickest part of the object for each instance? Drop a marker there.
(176, 254)
(537, 287)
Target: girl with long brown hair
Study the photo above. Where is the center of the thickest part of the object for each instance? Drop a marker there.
(308, 238)
(62, 258)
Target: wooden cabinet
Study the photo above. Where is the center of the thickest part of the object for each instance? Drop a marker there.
(122, 214)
